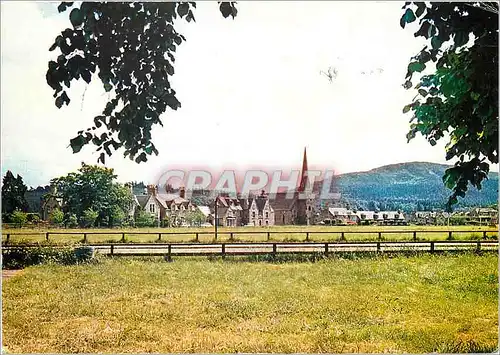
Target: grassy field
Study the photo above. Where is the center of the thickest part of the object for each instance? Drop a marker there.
(420, 304)
(286, 233)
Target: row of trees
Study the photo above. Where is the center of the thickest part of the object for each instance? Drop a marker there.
(89, 197)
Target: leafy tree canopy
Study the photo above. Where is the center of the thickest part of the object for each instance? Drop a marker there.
(13, 191)
(130, 46)
(461, 97)
(92, 188)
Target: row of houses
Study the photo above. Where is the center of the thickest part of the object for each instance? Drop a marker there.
(340, 215)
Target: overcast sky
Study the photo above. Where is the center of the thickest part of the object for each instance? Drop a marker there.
(250, 88)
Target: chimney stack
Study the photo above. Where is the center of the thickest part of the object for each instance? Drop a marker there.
(152, 189)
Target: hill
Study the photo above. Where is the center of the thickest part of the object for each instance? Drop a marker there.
(409, 186)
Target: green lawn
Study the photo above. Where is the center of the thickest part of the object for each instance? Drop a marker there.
(418, 304)
(251, 234)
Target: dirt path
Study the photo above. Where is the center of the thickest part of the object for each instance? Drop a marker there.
(6, 274)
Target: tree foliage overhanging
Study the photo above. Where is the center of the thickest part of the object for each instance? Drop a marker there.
(461, 97)
(131, 47)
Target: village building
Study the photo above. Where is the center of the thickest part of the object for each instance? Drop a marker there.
(260, 211)
(296, 210)
(50, 202)
(165, 205)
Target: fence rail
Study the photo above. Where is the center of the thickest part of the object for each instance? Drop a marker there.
(169, 250)
(233, 234)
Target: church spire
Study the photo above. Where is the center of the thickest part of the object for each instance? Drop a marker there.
(303, 176)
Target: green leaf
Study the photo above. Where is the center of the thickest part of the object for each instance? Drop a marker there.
(408, 17)
(451, 177)
(59, 101)
(416, 67)
(77, 143)
(420, 8)
(228, 9)
(436, 42)
(76, 17)
(422, 92)
(407, 108)
(461, 39)
(107, 87)
(182, 9)
(141, 157)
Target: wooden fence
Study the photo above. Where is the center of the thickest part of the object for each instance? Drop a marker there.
(168, 250)
(268, 234)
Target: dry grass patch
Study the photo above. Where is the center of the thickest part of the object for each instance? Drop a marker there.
(419, 304)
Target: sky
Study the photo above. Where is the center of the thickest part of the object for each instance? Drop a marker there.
(251, 89)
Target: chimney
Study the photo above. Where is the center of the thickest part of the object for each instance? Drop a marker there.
(182, 192)
(152, 190)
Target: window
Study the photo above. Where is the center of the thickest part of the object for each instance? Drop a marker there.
(267, 222)
(253, 214)
(267, 214)
(152, 208)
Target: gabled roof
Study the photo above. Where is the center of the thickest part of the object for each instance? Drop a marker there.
(205, 210)
(261, 203)
(142, 199)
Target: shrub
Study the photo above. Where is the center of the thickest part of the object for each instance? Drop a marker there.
(33, 218)
(19, 257)
(117, 216)
(19, 218)
(56, 217)
(145, 219)
(71, 221)
(88, 218)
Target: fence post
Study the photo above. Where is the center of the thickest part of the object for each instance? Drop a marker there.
(378, 247)
(223, 250)
(231, 236)
(342, 237)
(8, 238)
(268, 236)
(449, 235)
(197, 237)
(85, 237)
(432, 247)
(47, 236)
(123, 237)
(307, 236)
(159, 236)
(478, 247)
(274, 250)
(379, 235)
(326, 248)
(169, 255)
(112, 248)
(484, 235)
(415, 236)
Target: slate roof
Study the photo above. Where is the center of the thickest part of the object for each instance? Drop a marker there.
(261, 203)
(205, 210)
(142, 199)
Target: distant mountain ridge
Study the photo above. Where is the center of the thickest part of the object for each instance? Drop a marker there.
(409, 186)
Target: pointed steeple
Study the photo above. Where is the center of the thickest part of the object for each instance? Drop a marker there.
(303, 176)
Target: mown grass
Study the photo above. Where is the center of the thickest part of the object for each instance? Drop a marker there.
(419, 304)
(257, 234)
